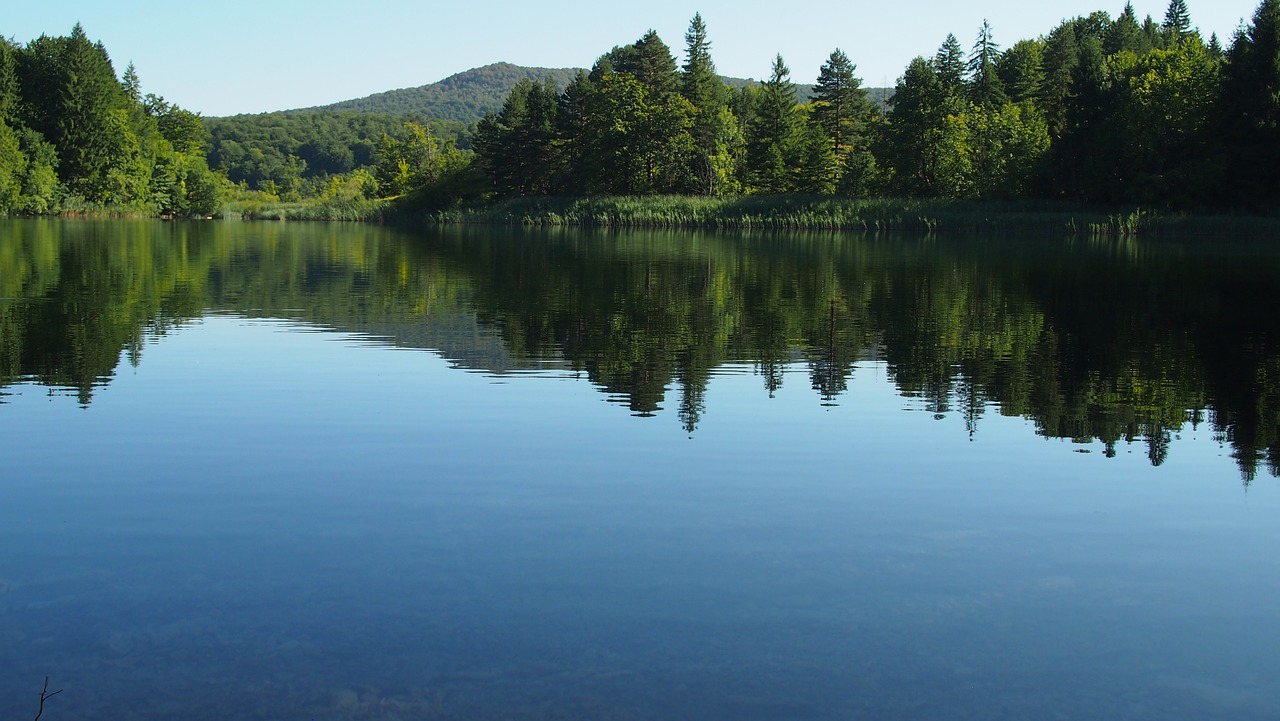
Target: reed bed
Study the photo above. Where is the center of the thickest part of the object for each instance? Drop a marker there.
(866, 215)
(358, 209)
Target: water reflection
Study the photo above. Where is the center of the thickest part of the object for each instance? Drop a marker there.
(1090, 341)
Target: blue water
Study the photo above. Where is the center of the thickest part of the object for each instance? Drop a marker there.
(267, 518)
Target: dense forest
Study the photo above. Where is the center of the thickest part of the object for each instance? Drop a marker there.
(74, 135)
(1110, 112)
(296, 155)
(1100, 110)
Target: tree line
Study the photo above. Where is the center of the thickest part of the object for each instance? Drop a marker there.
(73, 135)
(1101, 109)
(1109, 111)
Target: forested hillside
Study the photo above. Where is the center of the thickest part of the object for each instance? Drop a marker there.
(297, 153)
(463, 98)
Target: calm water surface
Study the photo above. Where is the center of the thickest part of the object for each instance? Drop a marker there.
(343, 472)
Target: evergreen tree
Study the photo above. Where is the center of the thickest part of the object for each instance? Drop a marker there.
(840, 104)
(132, 86)
(1215, 47)
(650, 61)
(949, 63)
(1021, 70)
(985, 87)
(1153, 36)
(1250, 101)
(515, 144)
(9, 93)
(1177, 21)
(774, 132)
(819, 164)
(700, 84)
(1126, 34)
(919, 101)
(656, 121)
(1061, 55)
(573, 156)
(714, 127)
(73, 98)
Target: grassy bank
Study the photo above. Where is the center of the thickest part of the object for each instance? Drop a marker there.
(336, 209)
(861, 215)
(868, 215)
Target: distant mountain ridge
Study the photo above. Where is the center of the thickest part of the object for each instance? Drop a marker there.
(463, 97)
(466, 96)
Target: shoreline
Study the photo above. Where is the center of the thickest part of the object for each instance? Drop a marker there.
(777, 213)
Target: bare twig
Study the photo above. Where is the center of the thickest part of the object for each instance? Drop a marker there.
(45, 696)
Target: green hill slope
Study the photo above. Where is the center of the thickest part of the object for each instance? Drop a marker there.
(467, 96)
(464, 97)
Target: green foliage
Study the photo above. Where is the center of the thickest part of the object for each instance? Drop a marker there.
(515, 145)
(1250, 106)
(1177, 22)
(715, 132)
(919, 110)
(774, 133)
(433, 169)
(1096, 110)
(77, 138)
(10, 95)
(949, 63)
(13, 167)
(843, 112)
(1125, 34)
(1021, 70)
(985, 87)
(462, 99)
(279, 152)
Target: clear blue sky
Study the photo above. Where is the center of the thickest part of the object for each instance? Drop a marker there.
(235, 56)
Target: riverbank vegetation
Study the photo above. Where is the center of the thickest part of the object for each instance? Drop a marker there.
(1112, 113)
(1119, 125)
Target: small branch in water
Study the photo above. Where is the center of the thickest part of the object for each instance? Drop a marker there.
(45, 696)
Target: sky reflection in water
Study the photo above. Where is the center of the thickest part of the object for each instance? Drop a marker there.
(263, 520)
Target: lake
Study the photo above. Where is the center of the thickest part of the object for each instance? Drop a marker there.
(295, 471)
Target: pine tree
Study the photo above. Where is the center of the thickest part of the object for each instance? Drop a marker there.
(918, 103)
(132, 86)
(840, 105)
(774, 132)
(90, 136)
(1251, 110)
(516, 143)
(700, 84)
(1021, 70)
(650, 61)
(573, 156)
(1125, 34)
(949, 63)
(9, 96)
(713, 125)
(1215, 47)
(985, 87)
(1177, 21)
